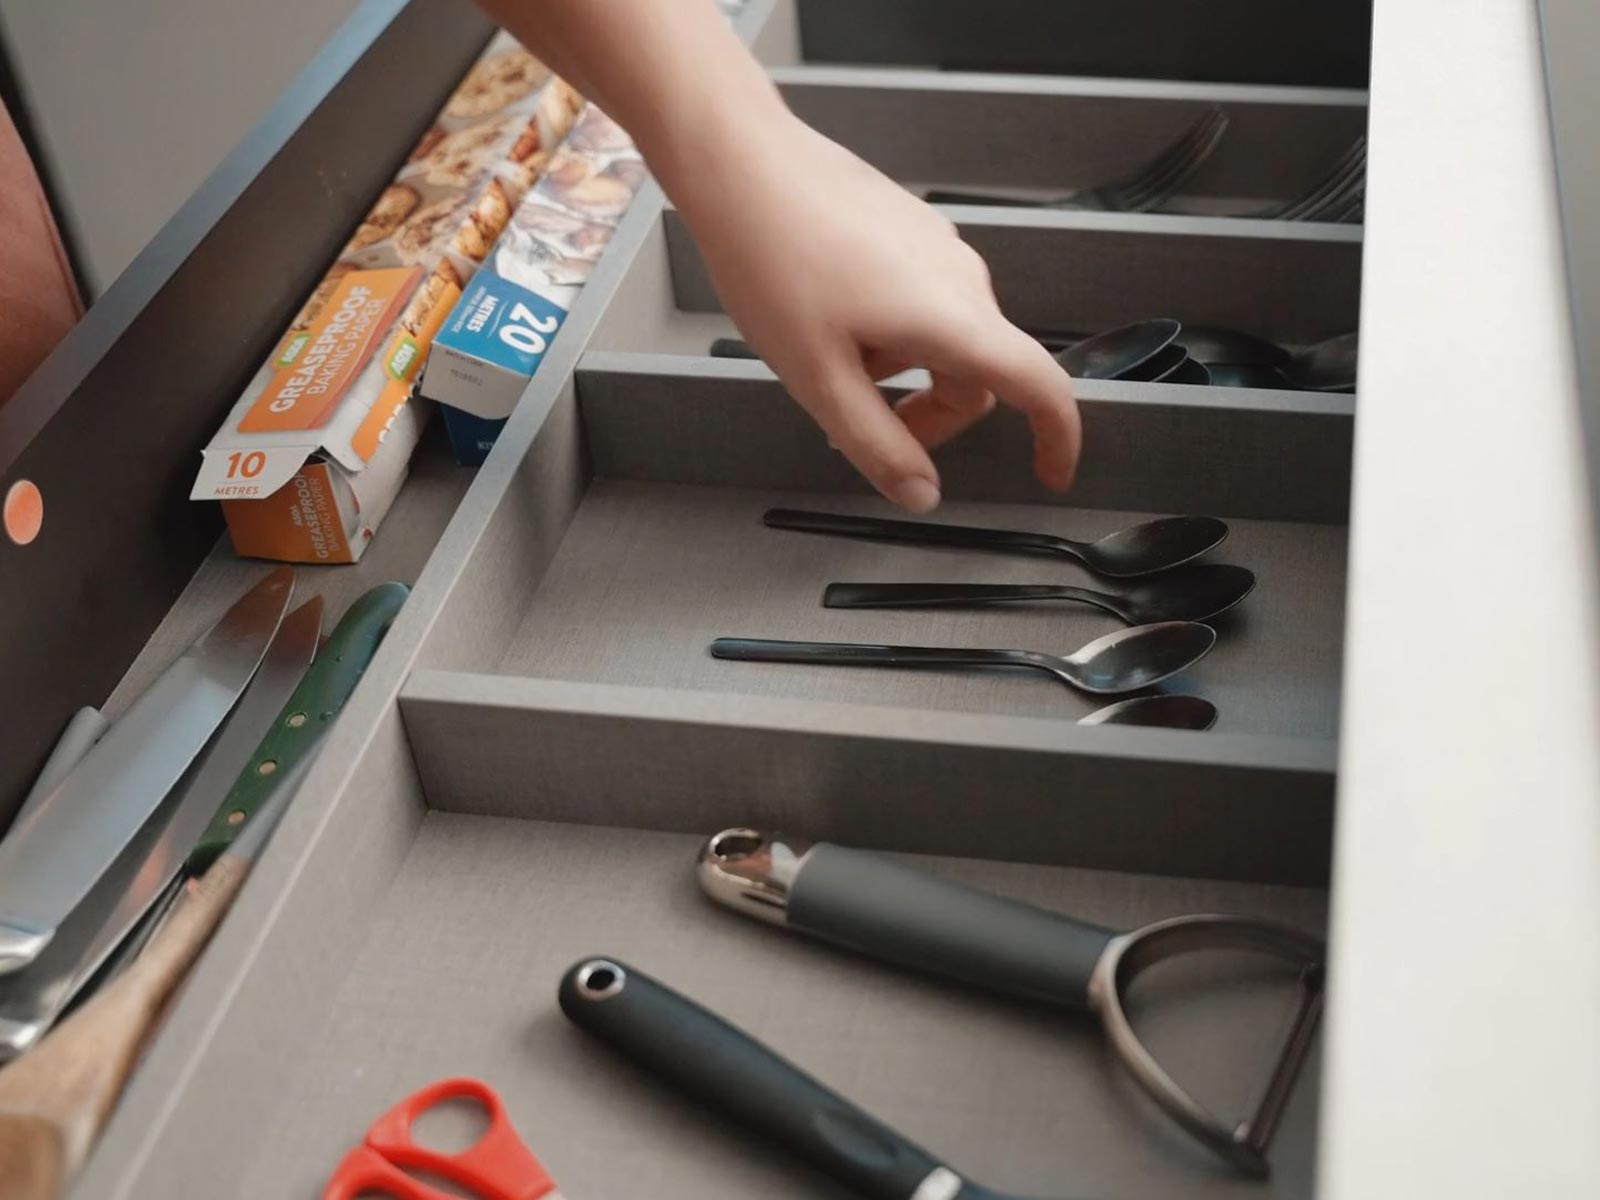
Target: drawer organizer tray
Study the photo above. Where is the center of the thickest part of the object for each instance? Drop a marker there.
(533, 758)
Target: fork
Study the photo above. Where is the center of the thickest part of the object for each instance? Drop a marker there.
(1148, 188)
(1336, 196)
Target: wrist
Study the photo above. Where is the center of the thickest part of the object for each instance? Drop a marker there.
(720, 141)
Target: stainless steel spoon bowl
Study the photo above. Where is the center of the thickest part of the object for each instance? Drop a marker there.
(1196, 592)
(1124, 661)
(1163, 712)
(1112, 354)
(1138, 550)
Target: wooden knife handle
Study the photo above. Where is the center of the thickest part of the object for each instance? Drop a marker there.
(54, 1099)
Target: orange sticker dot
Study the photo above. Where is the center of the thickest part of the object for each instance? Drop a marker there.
(24, 511)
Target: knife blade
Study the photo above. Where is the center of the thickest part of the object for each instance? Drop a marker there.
(32, 999)
(51, 860)
(86, 728)
(312, 708)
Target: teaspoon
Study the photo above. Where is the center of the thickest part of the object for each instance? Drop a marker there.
(1166, 711)
(1138, 550)
(1124, 661)
(1195, 592)
(1114, 353)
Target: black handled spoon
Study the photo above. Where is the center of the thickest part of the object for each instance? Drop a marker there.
(1195, 592)
(1139, 550)
(1116, 352)
(1124, 661)
(1164, 711)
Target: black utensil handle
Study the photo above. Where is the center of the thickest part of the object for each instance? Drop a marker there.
(912, 919)
(925, 532)
(911, 595)
(725, 1068)
(955, 196)
(853, 654)
(726, 347)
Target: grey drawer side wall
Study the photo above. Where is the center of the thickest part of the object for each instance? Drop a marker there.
(1265, 41)
(1027, 790)
(111, 426)
(1053, 270)
(1279, 456)
(1059, 134)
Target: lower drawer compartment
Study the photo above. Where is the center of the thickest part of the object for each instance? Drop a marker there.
(458, 969)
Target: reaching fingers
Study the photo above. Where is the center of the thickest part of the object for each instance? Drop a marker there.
(949, 406)
(997, 356)
(841, 397)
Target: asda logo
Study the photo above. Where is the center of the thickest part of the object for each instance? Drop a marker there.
(292, 348)
(400, 362)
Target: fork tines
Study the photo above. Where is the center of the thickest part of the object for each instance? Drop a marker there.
(1158, 180)
(1338, 195)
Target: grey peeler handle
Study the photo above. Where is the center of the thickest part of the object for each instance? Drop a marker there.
(910, 918)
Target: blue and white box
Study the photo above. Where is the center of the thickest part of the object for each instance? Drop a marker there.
(500, 329)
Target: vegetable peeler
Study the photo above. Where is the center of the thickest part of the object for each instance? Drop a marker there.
(907, 917)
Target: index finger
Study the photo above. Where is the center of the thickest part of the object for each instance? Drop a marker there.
(1023, 374)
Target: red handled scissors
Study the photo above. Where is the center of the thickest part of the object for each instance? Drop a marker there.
(498, 1166)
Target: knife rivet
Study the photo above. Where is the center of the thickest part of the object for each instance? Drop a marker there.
(296, 720)
(267, 767)
(236, 817)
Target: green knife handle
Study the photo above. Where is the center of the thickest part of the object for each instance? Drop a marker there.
(328, 683)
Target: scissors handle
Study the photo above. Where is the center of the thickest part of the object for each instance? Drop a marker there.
(497, 1166)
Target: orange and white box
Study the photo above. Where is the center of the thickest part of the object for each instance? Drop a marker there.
(315, 451)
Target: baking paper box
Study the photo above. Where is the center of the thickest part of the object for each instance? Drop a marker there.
(315, 451)
(501, 327)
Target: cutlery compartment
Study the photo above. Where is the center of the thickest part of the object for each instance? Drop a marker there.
(457, 968)
(591, 624)
(1058, 271)
(1315, 42)
(1038, 137)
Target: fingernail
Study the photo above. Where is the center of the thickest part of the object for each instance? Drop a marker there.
(916, 494)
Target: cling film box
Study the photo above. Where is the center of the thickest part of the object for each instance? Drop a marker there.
(316, 449)
(494, 339)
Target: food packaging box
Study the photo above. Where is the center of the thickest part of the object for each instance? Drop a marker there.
(494, 340)
(316, 449)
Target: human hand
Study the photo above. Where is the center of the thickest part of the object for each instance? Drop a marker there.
(839, 277)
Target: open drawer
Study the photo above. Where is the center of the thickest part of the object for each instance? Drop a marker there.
(542, 744)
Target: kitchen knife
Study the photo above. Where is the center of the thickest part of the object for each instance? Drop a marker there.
(51, 860)
(86, 727)
(54, 1101)
(32, 999)
(312, 708)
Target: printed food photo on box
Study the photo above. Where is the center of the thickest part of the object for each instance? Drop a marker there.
(316, 449)
(493, 342)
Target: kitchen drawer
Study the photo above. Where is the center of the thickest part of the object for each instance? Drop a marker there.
(541, 744)
(110, 428)
(1043, 135)
(1321, 42)
(1060, 272)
